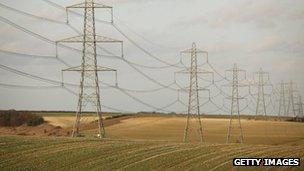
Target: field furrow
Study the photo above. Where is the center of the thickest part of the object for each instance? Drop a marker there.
(131, 145)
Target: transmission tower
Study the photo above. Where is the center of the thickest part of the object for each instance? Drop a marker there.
(282, 100)
(261, 105)
(291, 103)
(89, 92)
(235, 128)
(193, 111)
(299, 105)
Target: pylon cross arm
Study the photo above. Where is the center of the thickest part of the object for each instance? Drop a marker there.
(262, 73)
(199, 71)
(80, 39)
(204, 72)
(264, 94)
(230, 97)
(187, 51)
(239, 85)
(235, 70)
(83, 5)
(187, 89)
(80, 68)
(265, 83)
(191, 50)
(106, 39)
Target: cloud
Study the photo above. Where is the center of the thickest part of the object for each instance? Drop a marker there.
(267, 43)
(263, 14)
(254, 34)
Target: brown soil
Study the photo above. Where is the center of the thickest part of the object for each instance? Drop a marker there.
(170, 129)
(107, 122)
(45, 129)
(58, 126)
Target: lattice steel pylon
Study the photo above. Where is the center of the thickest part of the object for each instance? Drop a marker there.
(89, 92)
(261, 105)
(299, 104)
(235, 126)
(291, 103)
(193, 110)
(282, 100)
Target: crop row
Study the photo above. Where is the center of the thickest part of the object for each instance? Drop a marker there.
(33, 153)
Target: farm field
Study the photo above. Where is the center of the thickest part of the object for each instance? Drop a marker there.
(66, 121)
(140, 85)
(170, 128)
(140, 142)
(32, 153)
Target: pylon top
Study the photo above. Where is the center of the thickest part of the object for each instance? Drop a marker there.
(193, 45)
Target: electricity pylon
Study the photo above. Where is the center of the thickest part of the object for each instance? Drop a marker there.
(299, 105)
(193, 110)
(89, 91)
(261, 105)
(282, 100)
(291, 103)
(235, 126)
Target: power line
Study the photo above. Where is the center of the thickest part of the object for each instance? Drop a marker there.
(26, 30)
(42, 79)
(31, 87)
(142, 37)
(28, 86)
(162, 86)
(54, 82)
(40, 37)
(73, 12)
(69, 84)
(52, 42)
(223, 108)
(148, 77)
(140, 101)
(31, 15)
(62, 61)
(127, 37)
(27, 55)
(214, 70)
(144, 50)
(107, 107)
(46, 80)
(147, 91)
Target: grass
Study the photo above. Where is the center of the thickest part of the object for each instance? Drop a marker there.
(49, 153)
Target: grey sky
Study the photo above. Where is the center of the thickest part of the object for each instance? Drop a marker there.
(254, 34)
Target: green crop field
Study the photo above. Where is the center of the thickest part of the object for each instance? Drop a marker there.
(51, 153)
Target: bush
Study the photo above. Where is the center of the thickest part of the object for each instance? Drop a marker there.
(17, 118)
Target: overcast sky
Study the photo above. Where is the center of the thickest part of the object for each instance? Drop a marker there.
(264, 34)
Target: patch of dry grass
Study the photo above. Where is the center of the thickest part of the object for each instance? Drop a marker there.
(172, 128)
